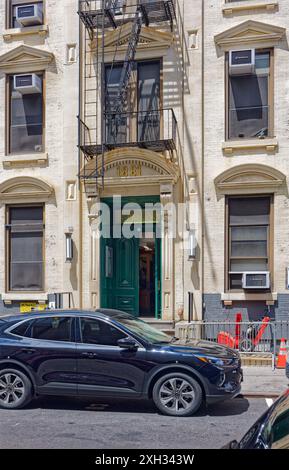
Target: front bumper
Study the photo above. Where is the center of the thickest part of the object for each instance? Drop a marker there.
(229, 389)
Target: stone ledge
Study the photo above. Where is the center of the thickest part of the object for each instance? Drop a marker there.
(24, 297)
(230, 10)
(19, 33)
(11, 160)
(231, 146)
(237, 296)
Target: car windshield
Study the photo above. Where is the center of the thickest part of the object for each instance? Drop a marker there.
(144, 330)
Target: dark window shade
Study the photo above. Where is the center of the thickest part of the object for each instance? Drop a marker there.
(26, 121)
(249, 224)
(247, 211)
(26, 248)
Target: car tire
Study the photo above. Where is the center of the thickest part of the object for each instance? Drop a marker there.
(15, 389)
(177, 394)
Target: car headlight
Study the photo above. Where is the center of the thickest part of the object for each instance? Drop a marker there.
(217, 361)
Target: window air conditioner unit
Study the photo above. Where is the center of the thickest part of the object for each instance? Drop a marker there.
(242, 62)
(29, 15)
(27, 84)
(256, 280)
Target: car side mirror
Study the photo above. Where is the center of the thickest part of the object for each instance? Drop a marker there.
(234, 445)
(127, 343)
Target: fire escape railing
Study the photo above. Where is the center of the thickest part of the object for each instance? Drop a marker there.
(154, 130)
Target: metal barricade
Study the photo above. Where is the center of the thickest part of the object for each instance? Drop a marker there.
(250, 337)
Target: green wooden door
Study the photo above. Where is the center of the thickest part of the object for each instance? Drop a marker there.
(126, 278)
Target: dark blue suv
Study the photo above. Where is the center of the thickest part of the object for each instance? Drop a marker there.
(109, 353)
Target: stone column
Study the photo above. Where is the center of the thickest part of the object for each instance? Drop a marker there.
(167, 262)
(94, 253)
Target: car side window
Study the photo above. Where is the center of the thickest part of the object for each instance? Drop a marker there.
(22, 330)
(277, 432)
(99, 332)
(52, 328)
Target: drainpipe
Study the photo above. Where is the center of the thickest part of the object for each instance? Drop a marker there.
(203, 155)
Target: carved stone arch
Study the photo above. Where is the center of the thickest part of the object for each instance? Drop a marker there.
(133, 166)
(25, 189)
(250, 178)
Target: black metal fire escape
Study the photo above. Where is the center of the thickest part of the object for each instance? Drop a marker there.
(97, 17)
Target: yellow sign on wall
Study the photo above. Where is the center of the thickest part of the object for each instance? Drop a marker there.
(26, 307)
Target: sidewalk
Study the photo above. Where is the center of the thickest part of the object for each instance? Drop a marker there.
(263, 381)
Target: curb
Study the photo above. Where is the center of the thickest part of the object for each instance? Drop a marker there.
(259, 395)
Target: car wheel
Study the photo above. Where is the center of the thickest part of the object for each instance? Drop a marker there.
(177, 394)
(15, 389)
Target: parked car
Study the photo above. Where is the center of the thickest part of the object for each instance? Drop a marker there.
(271, 431)
(109, 353)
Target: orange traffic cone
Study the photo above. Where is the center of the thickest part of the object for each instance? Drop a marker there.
(281, 359)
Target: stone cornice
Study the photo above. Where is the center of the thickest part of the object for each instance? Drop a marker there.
(249, 177)
(151, 41)
(25, 188)
(250, 33)
(267, 145)
(20, 33)
(229, 10)
(25, 59)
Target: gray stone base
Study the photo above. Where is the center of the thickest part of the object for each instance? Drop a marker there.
(251, 310)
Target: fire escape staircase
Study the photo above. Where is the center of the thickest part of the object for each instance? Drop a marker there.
(111, 16)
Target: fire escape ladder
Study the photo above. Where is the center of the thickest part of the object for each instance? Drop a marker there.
(128, 63)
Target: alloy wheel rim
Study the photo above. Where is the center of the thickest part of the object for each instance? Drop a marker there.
(177, 394)
(11, 389)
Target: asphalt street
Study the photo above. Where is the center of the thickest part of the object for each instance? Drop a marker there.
(66, 423)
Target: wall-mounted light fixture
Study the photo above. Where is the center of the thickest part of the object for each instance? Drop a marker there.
(192, 245)
(69, 245)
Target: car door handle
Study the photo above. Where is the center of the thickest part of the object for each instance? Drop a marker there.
(29, 350)
(90, 355)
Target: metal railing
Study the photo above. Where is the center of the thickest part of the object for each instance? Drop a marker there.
(155, 130)
(250, 337)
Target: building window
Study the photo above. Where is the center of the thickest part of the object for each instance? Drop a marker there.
(26, 110)
(25, 233)
(29, 13)
(250, 101)
(141, 116)
(249, 237)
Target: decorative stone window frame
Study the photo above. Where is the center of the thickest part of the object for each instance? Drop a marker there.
(259, 35)
(25, 190)
(11, 34)
(164, 170)
(25, 59)
(152, 43)
(250, 33)
(230, 9)
(250, 178)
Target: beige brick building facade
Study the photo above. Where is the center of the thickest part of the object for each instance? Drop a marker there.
(212, 160)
